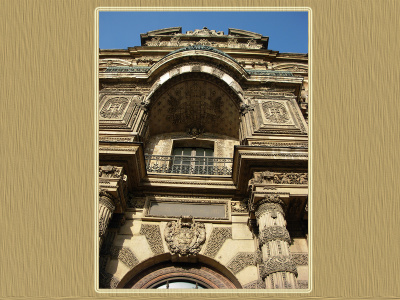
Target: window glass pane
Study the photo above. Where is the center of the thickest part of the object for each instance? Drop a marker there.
(177, 151)
(200, 151)
(209, 152)
(187, 151)
(180, 284)
(192, 160)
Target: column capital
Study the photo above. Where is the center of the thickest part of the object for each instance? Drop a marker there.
(271, 202)
(271, 198)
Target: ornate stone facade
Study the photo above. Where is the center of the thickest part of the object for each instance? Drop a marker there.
(203, 172)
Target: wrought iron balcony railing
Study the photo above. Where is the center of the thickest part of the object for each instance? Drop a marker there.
(192, 165)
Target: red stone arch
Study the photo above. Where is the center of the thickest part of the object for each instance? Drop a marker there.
(205, 271)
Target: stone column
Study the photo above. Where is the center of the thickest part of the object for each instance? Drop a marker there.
(106, 209)
(279, 270)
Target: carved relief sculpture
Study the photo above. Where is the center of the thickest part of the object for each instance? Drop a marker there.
(185, 236)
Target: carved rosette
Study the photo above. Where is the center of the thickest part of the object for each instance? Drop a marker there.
(185, 236)
(106, 209)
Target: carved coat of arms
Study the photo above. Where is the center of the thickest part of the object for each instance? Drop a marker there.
(185, 236)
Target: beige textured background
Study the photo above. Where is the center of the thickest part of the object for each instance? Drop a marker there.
(48, 161)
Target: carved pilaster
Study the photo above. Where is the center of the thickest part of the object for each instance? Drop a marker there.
(106, 209)
(279, 271)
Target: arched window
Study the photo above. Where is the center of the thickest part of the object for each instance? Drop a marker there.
(179, 283)
(168, 275)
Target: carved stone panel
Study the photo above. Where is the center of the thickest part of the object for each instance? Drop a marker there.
(277, 116)
(119, 111)
(114, 108)
(275, 112)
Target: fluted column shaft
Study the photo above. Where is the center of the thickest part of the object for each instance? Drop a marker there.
(106, 210)
(279, 269)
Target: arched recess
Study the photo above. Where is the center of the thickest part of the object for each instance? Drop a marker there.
(194, 98)
(200, 54)
(156, 270)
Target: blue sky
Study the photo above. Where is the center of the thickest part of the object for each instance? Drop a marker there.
(287, 31)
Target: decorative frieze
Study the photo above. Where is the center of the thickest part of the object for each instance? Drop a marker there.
(269, 73)
(279, 264)
(300, 259)
(185, 236)
(115, 139)
(279, 144)
(125, 255)
(274, 233)
(241, 261)
(268, 177)
(218, 237)
(130, 69)
(204, 32)
(153, 236)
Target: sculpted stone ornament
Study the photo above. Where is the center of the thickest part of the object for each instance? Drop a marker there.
(184, 236)
(195, 132)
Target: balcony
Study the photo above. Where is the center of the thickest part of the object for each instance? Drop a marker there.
(188, 165)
